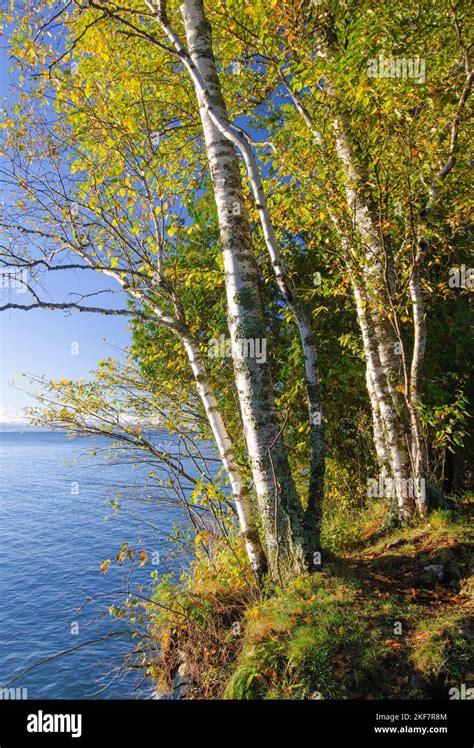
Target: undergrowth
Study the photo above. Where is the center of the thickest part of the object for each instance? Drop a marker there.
(385, 617)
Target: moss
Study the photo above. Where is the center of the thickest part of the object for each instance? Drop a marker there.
(245, 297)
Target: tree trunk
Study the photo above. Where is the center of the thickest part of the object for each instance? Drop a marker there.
(376, 307)
(416, 373)
(241, 496)
(279, 506)
(383, 411)
(215, 111)
(388, 403)
(243, 504)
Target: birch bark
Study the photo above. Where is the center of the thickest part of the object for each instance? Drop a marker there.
(241, 495)
(390, 445)
(240, 492)
(215, 112)
(394, 398)
(279, 506)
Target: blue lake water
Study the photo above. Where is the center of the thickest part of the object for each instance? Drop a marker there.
(53, 538)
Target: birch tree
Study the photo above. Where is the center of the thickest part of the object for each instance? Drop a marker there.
(375, 137)
(63, 223)
(290, 534)
(282, 126)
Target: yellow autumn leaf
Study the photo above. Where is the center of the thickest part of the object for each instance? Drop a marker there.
(143, 558)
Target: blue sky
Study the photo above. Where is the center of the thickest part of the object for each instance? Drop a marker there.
(40, 341)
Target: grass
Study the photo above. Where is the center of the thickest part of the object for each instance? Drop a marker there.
(197, 622)
(373, 623)
(439, 646)
(304, 643)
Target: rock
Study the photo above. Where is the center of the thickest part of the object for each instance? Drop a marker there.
(437, 570)
(416, 681)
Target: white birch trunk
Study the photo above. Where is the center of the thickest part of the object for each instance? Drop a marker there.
(391, 449)
(280, 509)
(241, 496)
(393, 409)
(416, 371)
(378, 431)
(215, 112)
(388, 418)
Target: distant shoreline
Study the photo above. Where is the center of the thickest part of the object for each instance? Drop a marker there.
(6, 428)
